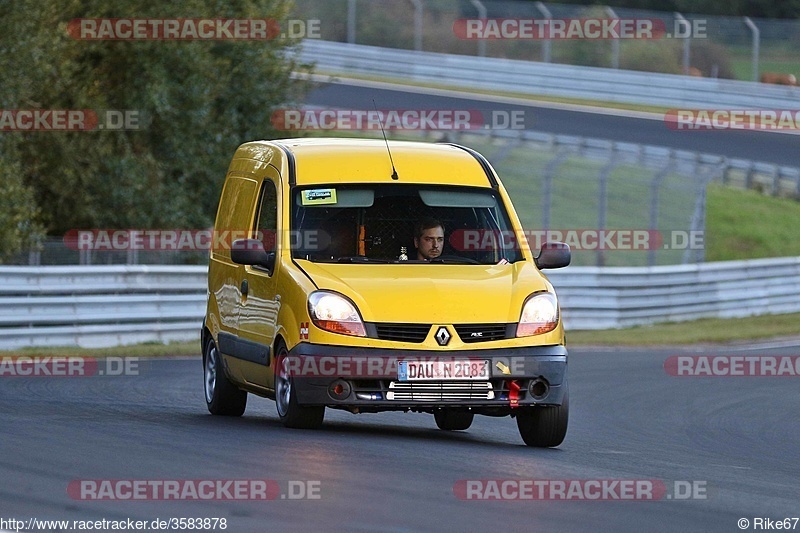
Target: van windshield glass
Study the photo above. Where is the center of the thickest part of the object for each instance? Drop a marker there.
(368, 223)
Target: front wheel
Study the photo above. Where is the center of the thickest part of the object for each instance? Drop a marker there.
(544, 427)
(290, 412)
(222, 396)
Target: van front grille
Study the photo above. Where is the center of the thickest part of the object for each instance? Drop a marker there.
(440, 391)
(402, 332)
(481, 332)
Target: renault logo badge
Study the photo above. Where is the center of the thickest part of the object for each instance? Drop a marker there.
(442, 336)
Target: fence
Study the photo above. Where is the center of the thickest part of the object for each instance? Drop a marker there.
(725, 47)
(64, 251)
(117, 305)
(560, 182)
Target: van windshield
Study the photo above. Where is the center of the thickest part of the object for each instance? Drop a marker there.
(368, 223)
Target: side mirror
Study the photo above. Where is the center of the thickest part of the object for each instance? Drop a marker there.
(553, 255)
(251, 252)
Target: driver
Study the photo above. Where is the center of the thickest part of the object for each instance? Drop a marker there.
(428, 238)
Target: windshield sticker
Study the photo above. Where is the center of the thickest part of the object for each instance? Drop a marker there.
(319, 197)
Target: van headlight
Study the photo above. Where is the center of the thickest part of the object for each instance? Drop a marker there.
(335, 313)
(539, 315)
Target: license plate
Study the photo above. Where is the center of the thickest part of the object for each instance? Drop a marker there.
(442, 370)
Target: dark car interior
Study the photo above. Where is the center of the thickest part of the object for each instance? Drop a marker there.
(380, 230)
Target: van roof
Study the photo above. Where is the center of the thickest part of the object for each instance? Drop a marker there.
(343, 160)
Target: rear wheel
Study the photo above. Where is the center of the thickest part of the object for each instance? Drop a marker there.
(222, 396)
(453, 419)
(290, 412)
(544, 427)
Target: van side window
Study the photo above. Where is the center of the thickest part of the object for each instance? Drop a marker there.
(238, 197)
(267, 222)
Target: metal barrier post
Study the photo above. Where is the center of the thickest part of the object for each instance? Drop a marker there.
(547, 43)
(602, 199)
(351, 21)
(482, 14)
(417, 24)
(686, 46)
(654, 200)
(547, 186)
(756, 45)
(614, 42)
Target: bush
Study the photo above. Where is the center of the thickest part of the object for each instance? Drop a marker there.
(705, 55)
(651, 56)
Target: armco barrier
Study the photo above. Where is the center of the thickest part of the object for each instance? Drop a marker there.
(535, 78)
(100, 306)
(613, 297)
(117, 305)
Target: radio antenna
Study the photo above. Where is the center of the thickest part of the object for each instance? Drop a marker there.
(394, 171)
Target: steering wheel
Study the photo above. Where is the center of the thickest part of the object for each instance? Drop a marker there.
(456, 258)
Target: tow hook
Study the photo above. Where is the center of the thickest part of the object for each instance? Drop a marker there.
(513, 393)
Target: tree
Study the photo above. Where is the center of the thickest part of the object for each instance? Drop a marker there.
(18, 212)
(196, 100)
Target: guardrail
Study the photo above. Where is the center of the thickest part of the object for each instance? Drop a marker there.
(100, 306)
(614, 297)
(117, 305)
(536, 78)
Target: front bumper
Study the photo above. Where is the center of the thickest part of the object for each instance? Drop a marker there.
(367, 379)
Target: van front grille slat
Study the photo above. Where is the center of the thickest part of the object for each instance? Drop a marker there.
(481, 332)
(440, 391)
(402, 332)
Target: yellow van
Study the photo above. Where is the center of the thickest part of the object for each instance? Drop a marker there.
(374, 276)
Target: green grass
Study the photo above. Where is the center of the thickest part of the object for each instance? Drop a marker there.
(745, 224)
(743, 67)
(134, 350)
(706, 330)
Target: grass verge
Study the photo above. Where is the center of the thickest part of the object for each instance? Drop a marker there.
(705, 330)
(745, 224)
(532, 98)
(133, 350)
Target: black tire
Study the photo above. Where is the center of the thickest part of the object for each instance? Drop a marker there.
(290, 412)
(453, 419)
(544, 427)
(222, 396)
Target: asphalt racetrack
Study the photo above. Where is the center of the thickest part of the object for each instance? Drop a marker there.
(722, 449)
(776, 148)
(734, 440)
